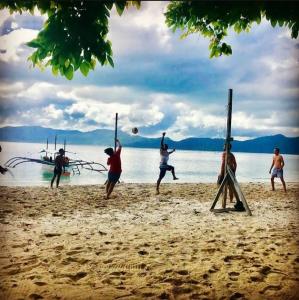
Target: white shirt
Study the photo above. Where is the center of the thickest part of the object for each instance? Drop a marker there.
(164, 157)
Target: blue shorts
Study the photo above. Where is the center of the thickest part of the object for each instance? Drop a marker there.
(113, 177)
(277, 173)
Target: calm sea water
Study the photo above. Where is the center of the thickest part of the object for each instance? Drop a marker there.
(142, 166)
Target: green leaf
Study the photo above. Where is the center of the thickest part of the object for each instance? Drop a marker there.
(84, 68)
(67, 63)
(93, 63)
(119, 8)
(110, 61)
(34, 58)
(69, 73)
(61, 60)
(49, 62)
(34, 44)
(273, 23)
(280, 22)
(55, 70)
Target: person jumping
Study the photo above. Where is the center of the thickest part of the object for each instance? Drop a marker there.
(114, 173)
(164, 153)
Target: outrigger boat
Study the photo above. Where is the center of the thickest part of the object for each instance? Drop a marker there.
(47, 160)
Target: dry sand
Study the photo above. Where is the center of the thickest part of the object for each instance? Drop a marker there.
(73, 244)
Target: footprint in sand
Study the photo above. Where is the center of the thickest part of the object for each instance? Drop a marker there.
(209, 250)
(117, 273)
(236, 296)
(213, 269)
(77, 276)
(174, 281)
(164, 295)
(233, 276)
(256, 277)
(51, 234)
(35, 296)
(228, 258)
(270, 288)
(181, 290)
(182, 272)
(40, 283)
(265, 270)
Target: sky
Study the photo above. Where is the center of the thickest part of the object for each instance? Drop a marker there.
(159, 83)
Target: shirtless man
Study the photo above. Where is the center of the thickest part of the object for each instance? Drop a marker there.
(231, 162)
(164, 153)
(278, 164)
(59, 166)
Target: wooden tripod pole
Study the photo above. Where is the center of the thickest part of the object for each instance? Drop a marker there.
(229, 176)
(227, 141)
(115, 131)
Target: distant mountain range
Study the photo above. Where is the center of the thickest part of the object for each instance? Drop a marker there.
(104, 137)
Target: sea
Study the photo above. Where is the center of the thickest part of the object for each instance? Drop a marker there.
(139, 166)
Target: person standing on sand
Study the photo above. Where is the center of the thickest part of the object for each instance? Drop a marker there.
(232, 163)
(59, 165)
(278, 164)
(114, 173)
(2, 170)
(164, 153)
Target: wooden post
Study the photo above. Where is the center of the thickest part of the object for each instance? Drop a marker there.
(47, 144)
(229, 177)
(227, 141)
(224, 181)
(115, 131)
(55, 141)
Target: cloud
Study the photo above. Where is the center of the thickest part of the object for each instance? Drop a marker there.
(13, 44)
(159, 83)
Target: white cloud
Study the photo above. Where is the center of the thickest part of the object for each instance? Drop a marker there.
(263, 71)
(4, 16)
(10, 90)
(12, 43)
(39, 91)
(140, 31)
(53, 112)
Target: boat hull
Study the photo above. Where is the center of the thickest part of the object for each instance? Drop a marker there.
(50, 169)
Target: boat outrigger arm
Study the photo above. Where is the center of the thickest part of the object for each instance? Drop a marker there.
(73, 164)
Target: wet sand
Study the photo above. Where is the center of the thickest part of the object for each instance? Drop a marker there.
(73, 244)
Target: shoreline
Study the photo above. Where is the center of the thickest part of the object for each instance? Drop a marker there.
(63, 185)
(70, 243)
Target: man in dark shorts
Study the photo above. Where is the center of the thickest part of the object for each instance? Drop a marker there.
(164, 167)
(59, 166)
(114, 173)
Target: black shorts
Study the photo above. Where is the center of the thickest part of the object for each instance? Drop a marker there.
(163, 170)
(57, 171)
(113, 177)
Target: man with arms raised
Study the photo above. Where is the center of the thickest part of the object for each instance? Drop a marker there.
(164, 166)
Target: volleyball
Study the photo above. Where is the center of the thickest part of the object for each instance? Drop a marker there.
(134, 130)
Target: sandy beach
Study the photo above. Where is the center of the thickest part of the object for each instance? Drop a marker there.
(72, 244)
